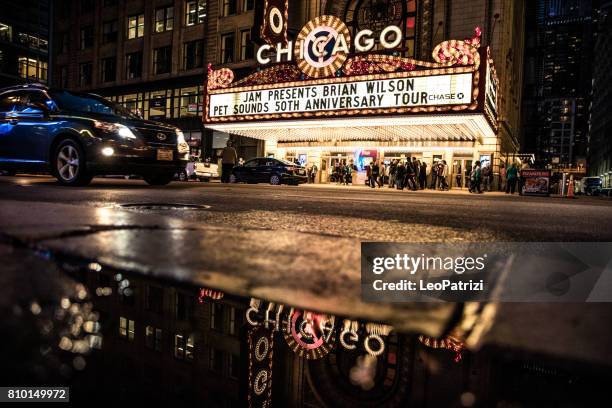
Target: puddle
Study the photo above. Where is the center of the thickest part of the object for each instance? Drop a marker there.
(121, 336)
(164, 206)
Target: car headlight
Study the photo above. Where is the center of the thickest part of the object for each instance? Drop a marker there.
(181, 144)
(121, 130)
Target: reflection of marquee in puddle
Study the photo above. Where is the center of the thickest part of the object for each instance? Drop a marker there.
(310, 335)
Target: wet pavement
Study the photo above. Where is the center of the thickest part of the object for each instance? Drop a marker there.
(291, 246)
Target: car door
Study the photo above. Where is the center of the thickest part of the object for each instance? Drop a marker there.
(24, 122)
(247, 172)
(267, 167)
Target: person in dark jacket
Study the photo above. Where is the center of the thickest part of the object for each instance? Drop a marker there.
(392, 173)
(400, 175)
(423, 175)
(374, 173)
(410, 173)
(434, 176)
(476, 178)
(511, 178)
(228, 161)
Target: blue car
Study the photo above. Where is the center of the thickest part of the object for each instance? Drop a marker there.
(269, 170)
(76, 136)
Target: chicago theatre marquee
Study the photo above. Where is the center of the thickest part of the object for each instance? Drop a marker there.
(328, 96)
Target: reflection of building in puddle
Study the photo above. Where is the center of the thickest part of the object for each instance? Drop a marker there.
(170, 342)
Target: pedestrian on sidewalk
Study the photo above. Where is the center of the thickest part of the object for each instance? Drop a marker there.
(502, 177)
(374, 173)
(434, 176)
(442, 174)
(228, 162)
(315, 169)
(476, 179)
(423, 176)
(486, 177)
(410, 173)
(458, 177)
(400, 175)
(511, 177)
(392, 172)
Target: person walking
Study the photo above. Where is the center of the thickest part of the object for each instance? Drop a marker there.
(410, 173)
(423, 176)
(434, 176)
(392, 172)
(314, 170)
(400, 175)
(476, 178)
(381, 178)
(442, 174)
(374, 173)
(486, 177)
(511, 177)
(228, 161)
(416, 166)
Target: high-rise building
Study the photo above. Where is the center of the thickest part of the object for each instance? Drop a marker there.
(600, 152)
(146, 55)
(558, 53)
(24, 42)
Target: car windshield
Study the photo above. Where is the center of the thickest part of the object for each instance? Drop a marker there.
(86, 103)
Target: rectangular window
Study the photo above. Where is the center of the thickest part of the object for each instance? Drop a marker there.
(184, 303)
(108, 69)
(227, 48)
(6, 32)
(85, 73)
(162, 60)
(136, 26)
(63, 42)
(164, 19)
(248, 5)
(63, 79)
(216, 317)
(154, 299)
(235, 321)
(215, 360)
(110, 32)
(153, 338)
(184, 347)
(193, 55)
(190, 102)
(228, 7)
(246, 47)
(87, 37)
(126, 328)
(133, 65)
(195, 12)
(31, 68)
(87, 6)
(234, 366)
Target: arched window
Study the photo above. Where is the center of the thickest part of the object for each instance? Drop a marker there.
(378, 14)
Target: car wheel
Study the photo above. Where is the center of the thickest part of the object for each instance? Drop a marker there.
(159, 179)
(69, 165)
(275, 180)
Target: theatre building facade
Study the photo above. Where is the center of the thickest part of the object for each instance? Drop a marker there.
(357, 81)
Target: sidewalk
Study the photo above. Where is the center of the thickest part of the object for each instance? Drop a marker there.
(458, 191)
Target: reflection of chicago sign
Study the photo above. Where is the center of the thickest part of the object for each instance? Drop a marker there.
(312, 335)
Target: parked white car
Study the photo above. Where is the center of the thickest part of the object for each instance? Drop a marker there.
(206, 171)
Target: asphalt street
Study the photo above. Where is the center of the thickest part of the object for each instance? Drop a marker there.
(355, 213)
(300, 245)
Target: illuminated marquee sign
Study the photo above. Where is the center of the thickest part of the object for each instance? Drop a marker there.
(426, 91)
(274, 26)
(324, 44)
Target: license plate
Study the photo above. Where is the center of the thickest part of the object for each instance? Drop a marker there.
(164, 154)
